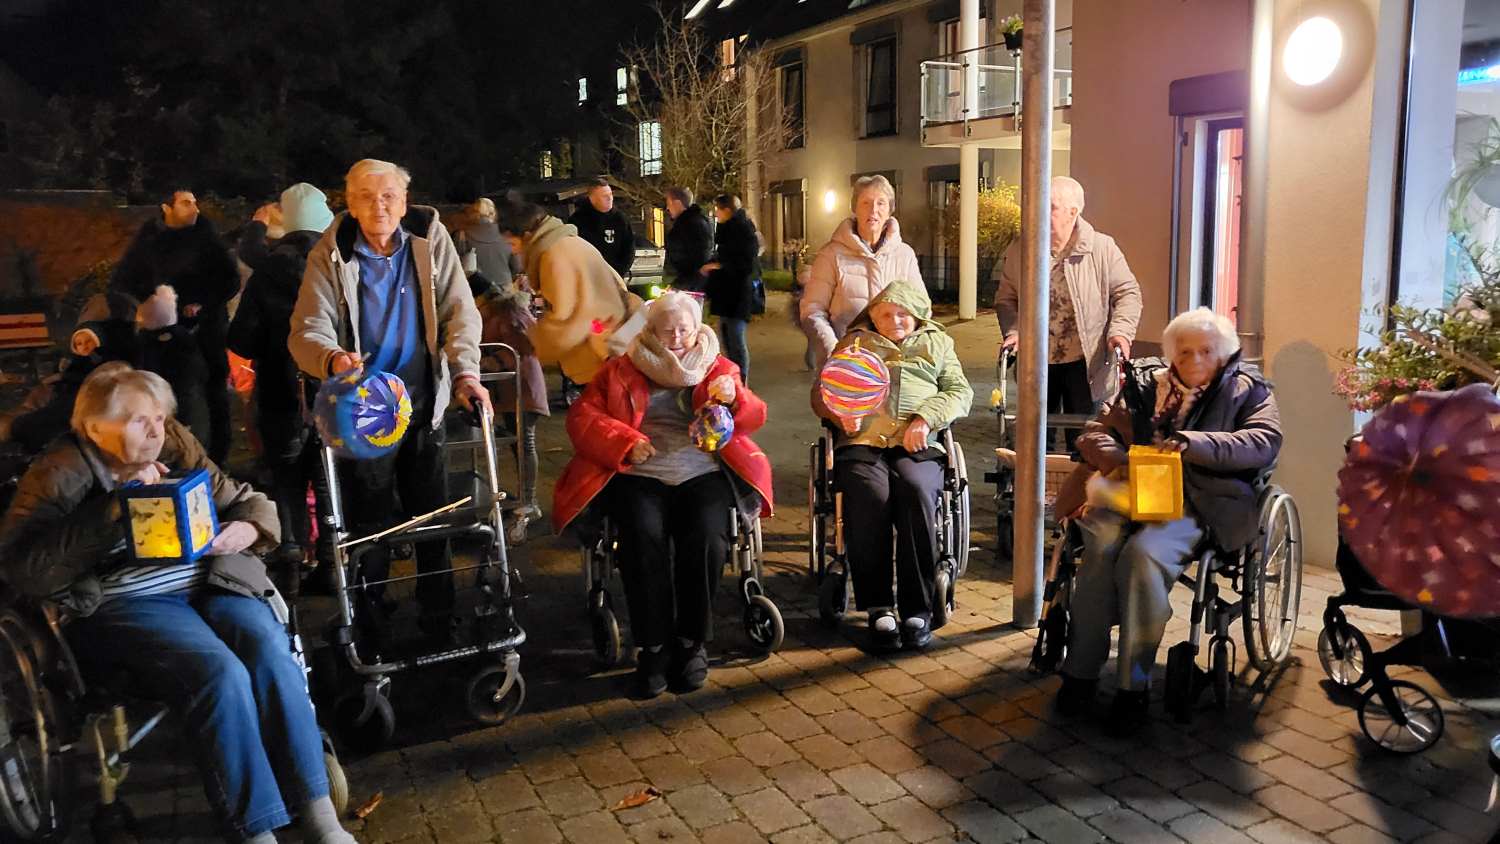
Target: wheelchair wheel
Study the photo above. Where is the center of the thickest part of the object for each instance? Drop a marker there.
(817, 528)
(942, 596)
(1344, 652)
(1412, 725)
(609, 646)
(763, 623)
(961, 514)
(1180, 693)
(1051, 641)
(1273, 587)
(1221, 670)
(34, 773)
(365, 720)
(1005, 535)
(833, 598)
(483, 698)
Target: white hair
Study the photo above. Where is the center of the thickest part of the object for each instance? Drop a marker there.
(375, 167)
(102, 394)
(1069, 190)
(876, 182)
(672, 301)
(1201, 321)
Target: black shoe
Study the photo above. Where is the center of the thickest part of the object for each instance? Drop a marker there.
(651, 673)
(1076, 697)
(689, 669)
(1128, 713)
(914, 637)
(881, 640)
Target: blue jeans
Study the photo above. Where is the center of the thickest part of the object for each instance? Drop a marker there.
(224, 665)
(732, 332)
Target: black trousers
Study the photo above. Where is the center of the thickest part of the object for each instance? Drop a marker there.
(409, 482)
(886, 488)
(212, 332)
(293, 455)
(673, 544)
(1068, 391)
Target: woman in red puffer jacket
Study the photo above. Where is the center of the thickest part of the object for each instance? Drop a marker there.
(635, 462)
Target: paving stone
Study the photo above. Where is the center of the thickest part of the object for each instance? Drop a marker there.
(569, 797)
(701, 806)
(1311, 781)
(1088, 764)
(801, 781)
(650, 810)
(873, 703)
(1038, 735)
(546, 764)
(810, 834)
(1200, 828)
(1230, 807)
(1170, 774)
(528, 826)
(770, 810)
(1148, 798)
(1318, 753)
(955, 757)
(1127, 827)
(1079, 797)
(1051, 823)
(608, 767)
(1005, 792)
(911, 729)
(894, 681)
(912, 820)
(815, 700)
(735, 775)
(702, 744)
(666, 828)
(1302, 810)
(731, 722)
(1450, 816)
(1020, 760)
(506, 793)
(594, 828)
(850, 726)
(973, 732)
(842, 816)
(765, 749)
(883, 837)
(791, 723)
(827, 752)
(1232, 772)
(1382, 816)
(982, 823)
(1281, 831)
(889, 755)
(645, 741)
(1358, 833)
(738, 832)
(670, 772)
(934, 787)
(867, 784)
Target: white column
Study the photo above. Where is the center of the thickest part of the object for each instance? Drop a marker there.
(968, 167)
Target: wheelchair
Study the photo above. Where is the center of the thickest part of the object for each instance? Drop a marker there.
(49, 717)
(762, 618)
(1266, 575)
(827, 560)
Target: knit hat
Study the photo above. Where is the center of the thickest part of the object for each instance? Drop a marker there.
(159, 311)
(304, 208)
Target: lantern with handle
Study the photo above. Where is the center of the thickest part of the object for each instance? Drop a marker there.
(173, 520)
(1155, 484)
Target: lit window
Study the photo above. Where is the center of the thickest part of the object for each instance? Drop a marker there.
(583, 89)
(697, 9)
(726, 57)
(545, 165)
(622, 86)
(650, 147)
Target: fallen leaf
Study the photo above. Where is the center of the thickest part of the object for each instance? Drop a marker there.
(640, 798)
(370, 806)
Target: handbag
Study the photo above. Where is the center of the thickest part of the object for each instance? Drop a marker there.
(757, 296)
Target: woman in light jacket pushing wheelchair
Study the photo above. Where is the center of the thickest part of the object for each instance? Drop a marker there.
(197, 636)
(1221, 415)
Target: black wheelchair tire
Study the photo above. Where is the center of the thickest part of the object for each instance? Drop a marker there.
(763, 624)
(833, 598)
(1179, 685)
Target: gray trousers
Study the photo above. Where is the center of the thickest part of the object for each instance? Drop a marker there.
(1126, 574)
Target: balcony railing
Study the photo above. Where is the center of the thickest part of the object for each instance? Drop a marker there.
(996, 72)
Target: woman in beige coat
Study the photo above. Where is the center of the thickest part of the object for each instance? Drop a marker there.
(864, 255)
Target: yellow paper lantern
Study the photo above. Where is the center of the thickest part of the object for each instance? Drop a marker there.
(173, 520)
(1155, 484)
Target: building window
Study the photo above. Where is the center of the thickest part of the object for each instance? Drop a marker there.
(727, 58)
(583, 90)
(564, 160)
(649, 138)
(544, 165)
(793, 98)
(622, 86)
(880, 88)
(656, 230)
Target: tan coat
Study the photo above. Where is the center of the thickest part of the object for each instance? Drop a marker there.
(1106, 300)
(581, 289)
(846, 275)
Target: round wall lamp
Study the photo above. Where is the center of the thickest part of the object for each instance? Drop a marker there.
(830, 200)
(1312, 51)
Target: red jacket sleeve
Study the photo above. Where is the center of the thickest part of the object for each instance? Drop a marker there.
(749, 409)
(597, 436)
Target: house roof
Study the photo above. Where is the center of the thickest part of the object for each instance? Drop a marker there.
(768, 20)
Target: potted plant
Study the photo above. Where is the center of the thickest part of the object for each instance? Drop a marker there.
(1010, 30)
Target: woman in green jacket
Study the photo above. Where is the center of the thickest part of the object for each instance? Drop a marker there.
(889, 465)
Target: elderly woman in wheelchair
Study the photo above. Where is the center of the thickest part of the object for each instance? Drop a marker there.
(198, 636)
(889, 466)
(669, 500)
(1220, 415)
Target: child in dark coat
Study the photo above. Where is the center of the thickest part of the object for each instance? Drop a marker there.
(171, 351)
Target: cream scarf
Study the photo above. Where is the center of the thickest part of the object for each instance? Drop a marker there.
(665, 369)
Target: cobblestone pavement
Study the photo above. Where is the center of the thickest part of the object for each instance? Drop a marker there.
(822, 742)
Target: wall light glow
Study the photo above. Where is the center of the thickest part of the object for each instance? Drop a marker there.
(1313, 51)
(830, 200)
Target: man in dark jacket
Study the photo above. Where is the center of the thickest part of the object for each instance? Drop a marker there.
(602, 224)
(259, 332)
(731, 277)
(690, 241)
(181, 248)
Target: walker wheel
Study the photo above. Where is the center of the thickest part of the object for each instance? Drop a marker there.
(833, 598)
(763, 623)
(608, 645)
(365, 720)
(1344, 652)
(1412, 725)
(1180, 687)
(485, 700)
